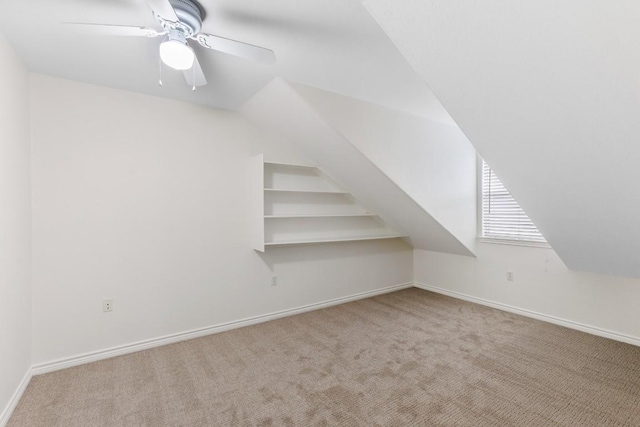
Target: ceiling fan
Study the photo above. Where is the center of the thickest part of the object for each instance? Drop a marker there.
(181, 20)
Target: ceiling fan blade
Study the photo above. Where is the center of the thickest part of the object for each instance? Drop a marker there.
(164, 9)
(113, 30)
(234, 47)
(195, 76)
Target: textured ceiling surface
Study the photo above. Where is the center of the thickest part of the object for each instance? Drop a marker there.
(334, 45)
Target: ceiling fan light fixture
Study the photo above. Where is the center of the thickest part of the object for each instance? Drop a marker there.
(177, 55)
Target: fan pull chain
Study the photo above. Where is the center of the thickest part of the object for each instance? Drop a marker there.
(194, 77)
(160, 72)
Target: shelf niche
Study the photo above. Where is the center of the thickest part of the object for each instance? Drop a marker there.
(299, 205)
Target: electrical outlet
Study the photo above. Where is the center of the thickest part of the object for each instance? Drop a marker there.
(107, 305)
(274, 281)
(510, 276)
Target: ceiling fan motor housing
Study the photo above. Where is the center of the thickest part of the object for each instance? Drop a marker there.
(190, 15)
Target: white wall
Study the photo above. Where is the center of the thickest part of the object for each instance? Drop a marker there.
(542, 284)
(15, 225)
(432, 162)
(144, 200)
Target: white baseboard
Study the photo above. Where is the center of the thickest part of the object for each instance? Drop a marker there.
(8, 410)
(68, 362)
(535, 315)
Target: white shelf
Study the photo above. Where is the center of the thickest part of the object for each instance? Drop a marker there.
(284, 190)
(318, 215)
(289, 165)
(284, 203)
(348, 239)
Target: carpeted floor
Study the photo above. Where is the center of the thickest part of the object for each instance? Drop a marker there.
(409, 358)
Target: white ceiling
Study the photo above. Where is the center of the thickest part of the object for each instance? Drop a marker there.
(334, 45)
(549, 93)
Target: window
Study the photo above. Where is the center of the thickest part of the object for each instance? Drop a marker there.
(502, 217)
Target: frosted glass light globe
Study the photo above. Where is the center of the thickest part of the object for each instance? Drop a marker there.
(177, 55)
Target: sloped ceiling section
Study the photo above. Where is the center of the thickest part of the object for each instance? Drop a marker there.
(280, 109)
(549, 94)
(432, 162)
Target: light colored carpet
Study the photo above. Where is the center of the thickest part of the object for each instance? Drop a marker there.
(409, 358)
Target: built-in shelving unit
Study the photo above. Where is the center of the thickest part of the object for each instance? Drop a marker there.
(300, 205)
(303, 242)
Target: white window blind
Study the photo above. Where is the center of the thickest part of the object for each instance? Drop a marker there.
(502, 217)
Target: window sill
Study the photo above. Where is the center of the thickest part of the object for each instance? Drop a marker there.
(514, 242)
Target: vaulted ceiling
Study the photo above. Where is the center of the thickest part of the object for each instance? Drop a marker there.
(334, 45)
(549, 94)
